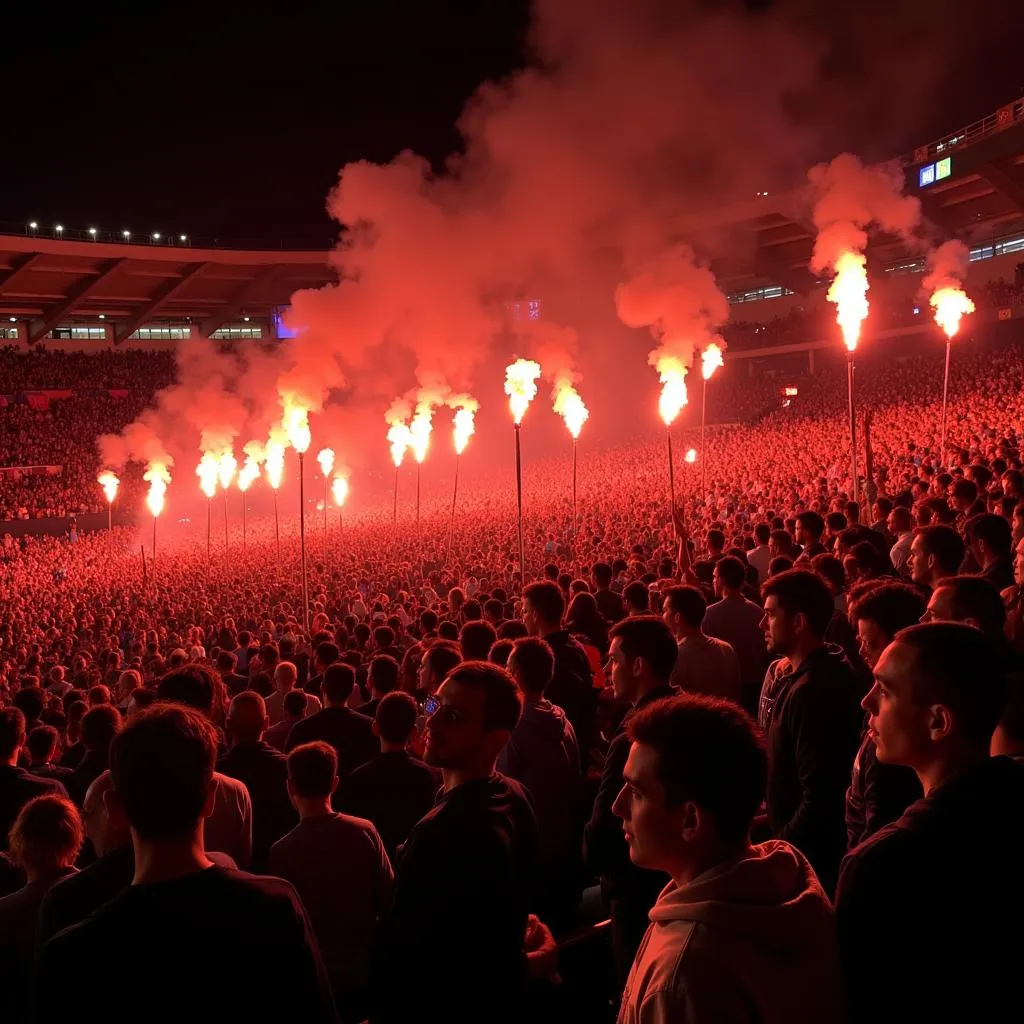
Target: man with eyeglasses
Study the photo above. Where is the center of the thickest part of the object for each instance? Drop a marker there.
(463, 877)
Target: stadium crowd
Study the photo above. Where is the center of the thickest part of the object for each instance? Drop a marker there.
(764, 733)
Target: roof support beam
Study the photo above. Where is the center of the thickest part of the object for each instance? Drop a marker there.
(161, 297)
(1002, 182)
(18, 265)
(234, 306)
(53, 316)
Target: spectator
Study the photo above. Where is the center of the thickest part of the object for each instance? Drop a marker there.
(162, 771)
(609, 604)
(227, 663)
(294, 711)
(286, 677)
(439, 659)
(99, 727)
(939, 693)
(693, 783)
(345, 908)
(383, 678)
(991, 542)
(760, 556)
(42, 748)
(935, 553)
(703, 664)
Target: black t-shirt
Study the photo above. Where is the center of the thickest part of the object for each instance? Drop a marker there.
(218, 945)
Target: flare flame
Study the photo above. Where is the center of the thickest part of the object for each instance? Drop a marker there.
(158, 477)
(339, 490)
(399, 437)
(226, 466)
(849, 292)
(275, 463)
(950, 305)
(691, 455)
(207, 471)
(569, 405)
(248, 473)
(521, 386)
(710, 360)
(673, 398)
(326, 459)
(296, 424)
(420, 430)
(109, 482)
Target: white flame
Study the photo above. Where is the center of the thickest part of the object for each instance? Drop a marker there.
(710, 360)
(673, 392)
(158, 477)
(207, 471)
(569, 405)
(108, 481)
(326, 459)
(521, 386)
(339, 490)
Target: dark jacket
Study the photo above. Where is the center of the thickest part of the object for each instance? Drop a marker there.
(939, 894)
(394, 791)
(17, 787)
(350, 733)
(572, 686)
(90, 768)
(462, 885)
(878, 794)
(813, 730)
(610, 605)
(264, 771)
(1000, 573)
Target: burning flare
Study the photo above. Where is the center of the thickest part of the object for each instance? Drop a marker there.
(849, 292)
(326, 459)
(673, 392)
(248, 473)
(710, 360)
(570, 407)
(463, 426)
(521, 386)
(399, 437)
(296, 424)
(691, 455)
(950, 305)
(339, 490)
(158, 477)
(226, 466)
(207, 471)
(108, 481)
(420, 430)
(275, 463)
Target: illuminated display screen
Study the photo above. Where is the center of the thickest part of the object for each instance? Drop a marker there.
(281, 330)
(931, 173)
(926, 175)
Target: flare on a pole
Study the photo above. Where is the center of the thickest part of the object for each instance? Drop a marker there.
(521, 387)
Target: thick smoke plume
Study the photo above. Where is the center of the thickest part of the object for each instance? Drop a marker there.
(947, 266)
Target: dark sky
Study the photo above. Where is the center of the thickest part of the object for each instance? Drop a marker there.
(219, 120)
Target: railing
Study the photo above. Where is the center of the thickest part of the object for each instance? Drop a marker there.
(1005, 117)
(59, 231)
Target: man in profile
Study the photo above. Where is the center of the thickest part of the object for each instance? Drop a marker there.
(180, 902)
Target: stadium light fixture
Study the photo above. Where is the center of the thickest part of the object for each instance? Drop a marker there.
(156, 236)
(126, 234)
(13, 319)
(32, 225)
(92, 231)
(245, 318)
(182, 238)
(58, 228)
(103, 316)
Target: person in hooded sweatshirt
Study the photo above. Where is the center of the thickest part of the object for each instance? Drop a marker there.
(812, 722)
(741, 933)
(542, 755)
(928, 908)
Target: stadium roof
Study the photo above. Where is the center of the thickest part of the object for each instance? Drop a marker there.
(48, 281)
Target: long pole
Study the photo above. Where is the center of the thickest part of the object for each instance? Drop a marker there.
(575, 543)
(277, 530)
(853, 423)
(154, 547)
(302, 539)
(243, 521)
(519, 505)
(225, 521)
(418, 468)
(110, 504)
(394, 513)
(455, 494)
(209, 526)
(326, 486)
(703, 450)
(945, 394)
(671, 469)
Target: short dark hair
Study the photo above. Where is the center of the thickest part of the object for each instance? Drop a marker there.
(428, 620)
(384, 636)
(47, 834)
(732, 572)
(338, 681)
(535, 662)
(800, 591)
(602, 573)
(688, 602)
(448, 630)
(637, 594)
(327, 653)
(780, 563)
(709, 751)
(476, 639)
(647, 637)
(836, 521)
(294, 702)
(226, 662)
(547, 600)
(961, 668)
(42, 742)
(993, 530)
(31, 700)
(500, 651)
(383, 673)
(312, 769)
(891, 606)
(503, 703)
(441, 657)
(193, 686)
(812, 523)
(494, 607)
(716, 539)
(12, 731)
(783, 541)
(974, 597)
(396, 717)
(161, 766)
(99, 726)
(762, 532)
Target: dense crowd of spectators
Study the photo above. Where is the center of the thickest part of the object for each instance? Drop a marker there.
(762, 731)
(39, 367)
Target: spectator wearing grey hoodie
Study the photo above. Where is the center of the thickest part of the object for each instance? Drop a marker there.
(543, 755)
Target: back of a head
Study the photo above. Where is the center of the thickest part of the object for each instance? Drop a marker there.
(192, 686)
(499, 652)
(762, 533)
(800, 591)
(891, 606)
(975, 598)
(901, 520)
(836, 522)
(688, 602)
(46, 835)
(731, 572)
(602, 573)
(428, 620)
(448, 630)
(30, 700)
(945, 545)
(471, 610)
(42, 742)
(99, 727)
(512, 629)
(476, 639)
(161, 766)
(637, 595)
(547, 600)
(313, 770)
(327, 653)
(383, 637)
(709, 752)
(534, 664)
(247, 717)
(383, 673)
(993, 530)
(503, 703)
(960, 668)
(294, 703)
(441, 657)
(812, 523)
(716, 540)
(226, 663)
(12, 731)
(338, 681)
(647, 637)
(396, 717)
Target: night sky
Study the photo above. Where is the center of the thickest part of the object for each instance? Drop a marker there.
(218, 120)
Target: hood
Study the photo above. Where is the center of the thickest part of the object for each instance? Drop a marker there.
(543, 719)
(771, 898)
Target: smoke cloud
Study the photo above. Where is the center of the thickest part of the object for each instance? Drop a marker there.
(947, 266)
